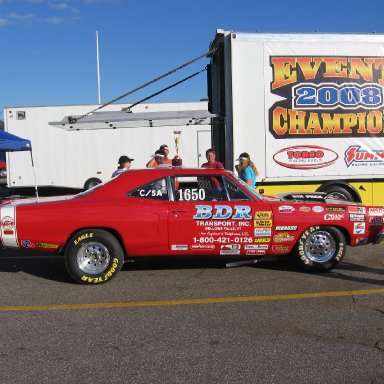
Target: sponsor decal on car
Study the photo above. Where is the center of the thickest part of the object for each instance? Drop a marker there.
(358, 228)
(304, 209)
(283, 237)
(202, 246)
(263, 223)
(376, 211)
(356, 209)
(7, 223)
(256, 246)
(27, 244)
(255, 252)
(179, 247)
(280, 248)
(263, 215)
(231, 246)
(356, 217)
(335, 209)
(317, 209)
(334, 216)
(47, 246)
(376, 221)
(263, 240)
(263, 232)
(230, 252)
(286, 228)
(222, 212)
(286, 209)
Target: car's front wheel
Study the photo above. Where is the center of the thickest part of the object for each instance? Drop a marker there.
(93, 256)
(320, 249)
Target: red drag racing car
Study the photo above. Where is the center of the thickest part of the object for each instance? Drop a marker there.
(178, 212)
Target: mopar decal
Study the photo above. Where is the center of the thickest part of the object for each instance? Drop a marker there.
(27, 244)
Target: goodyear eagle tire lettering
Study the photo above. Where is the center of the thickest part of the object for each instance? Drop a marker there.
(320, 249)
(93, 256)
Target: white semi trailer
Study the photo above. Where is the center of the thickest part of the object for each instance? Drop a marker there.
(81, 158)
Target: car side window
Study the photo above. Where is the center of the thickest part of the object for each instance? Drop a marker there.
(201, 188)
(155, 190)
(234, 192)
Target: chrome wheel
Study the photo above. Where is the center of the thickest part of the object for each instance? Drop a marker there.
(320, 246)
(93, 258)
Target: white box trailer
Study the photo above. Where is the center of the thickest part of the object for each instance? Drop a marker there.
(308, 108)
(78, 159)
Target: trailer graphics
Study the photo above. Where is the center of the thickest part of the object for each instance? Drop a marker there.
(308, 108)
(346, 90)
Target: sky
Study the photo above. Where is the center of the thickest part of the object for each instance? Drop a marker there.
(48, 48)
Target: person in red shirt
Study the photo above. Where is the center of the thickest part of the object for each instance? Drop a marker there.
(211, 163)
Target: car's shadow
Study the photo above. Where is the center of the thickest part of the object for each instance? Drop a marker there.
(52, 267)
(36, 263)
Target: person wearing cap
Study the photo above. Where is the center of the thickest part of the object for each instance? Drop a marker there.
(246, 169)
(211, 163)
(152, 163)
(124, 165)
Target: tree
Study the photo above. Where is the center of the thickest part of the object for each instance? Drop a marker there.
(2, 125)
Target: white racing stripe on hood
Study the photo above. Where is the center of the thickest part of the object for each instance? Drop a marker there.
(8, 225)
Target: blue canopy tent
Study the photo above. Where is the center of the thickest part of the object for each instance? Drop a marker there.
(12, 143)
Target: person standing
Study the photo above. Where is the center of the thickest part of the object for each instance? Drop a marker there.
(161, 159)
(152, 163)
(246, 169)
(211, 163)
(124, 164)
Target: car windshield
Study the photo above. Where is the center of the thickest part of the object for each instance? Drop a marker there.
(248, 187)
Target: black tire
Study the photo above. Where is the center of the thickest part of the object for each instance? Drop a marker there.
(338, 193)
(93, 256)
(320, 249)
(90, 183)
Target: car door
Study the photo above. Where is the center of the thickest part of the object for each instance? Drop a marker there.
(213, 215)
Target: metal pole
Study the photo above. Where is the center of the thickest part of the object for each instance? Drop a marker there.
(98, 66)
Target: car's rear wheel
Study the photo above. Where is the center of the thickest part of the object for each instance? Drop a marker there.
(320, 249)
(93, 256)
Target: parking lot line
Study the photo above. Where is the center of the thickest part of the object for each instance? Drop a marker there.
(199, 301)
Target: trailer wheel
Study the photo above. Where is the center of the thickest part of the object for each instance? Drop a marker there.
(90, 183)
(93, 256)
(338, 193)
(320, 249)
